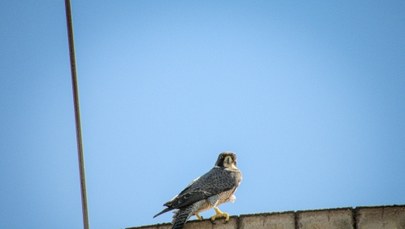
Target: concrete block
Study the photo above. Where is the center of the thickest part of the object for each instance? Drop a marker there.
(378, 217)
(219, 224)
(197, 224)
(268, 221)
(156, 226)
(385, 217)
(164, 226)
(326, 219)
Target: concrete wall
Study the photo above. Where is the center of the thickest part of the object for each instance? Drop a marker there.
(378, 217)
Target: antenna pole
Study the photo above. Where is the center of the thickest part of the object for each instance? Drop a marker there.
(77, 114)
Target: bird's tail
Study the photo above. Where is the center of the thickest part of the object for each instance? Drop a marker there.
(180, 217)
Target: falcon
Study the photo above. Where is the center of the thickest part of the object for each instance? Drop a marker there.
(208, 191)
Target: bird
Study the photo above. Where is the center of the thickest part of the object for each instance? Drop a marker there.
(215, 187)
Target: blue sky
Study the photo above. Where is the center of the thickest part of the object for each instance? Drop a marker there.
(310, 95)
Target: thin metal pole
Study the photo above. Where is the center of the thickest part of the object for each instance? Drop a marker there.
(77, 114)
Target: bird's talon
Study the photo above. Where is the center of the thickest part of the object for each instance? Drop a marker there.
(219, 214)
(199, 217)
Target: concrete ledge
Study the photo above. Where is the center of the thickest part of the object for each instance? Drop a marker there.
(205, 224)
(384, 217)
(284, 220)
(375, 217)
(333, 219)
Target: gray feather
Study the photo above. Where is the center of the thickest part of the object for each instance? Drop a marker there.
(181, 216)
(215, 181)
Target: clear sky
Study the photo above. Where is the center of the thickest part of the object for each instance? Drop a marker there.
(309, 94)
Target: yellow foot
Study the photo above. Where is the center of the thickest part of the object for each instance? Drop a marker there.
(219, 214)
(198, 216)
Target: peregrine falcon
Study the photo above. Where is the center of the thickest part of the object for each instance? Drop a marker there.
(210, 190)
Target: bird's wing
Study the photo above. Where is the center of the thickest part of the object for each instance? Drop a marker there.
(212, 183)
(188, 198)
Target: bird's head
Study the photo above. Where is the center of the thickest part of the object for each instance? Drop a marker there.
(226, 160)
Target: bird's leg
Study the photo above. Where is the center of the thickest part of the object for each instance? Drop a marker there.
(198, 216)
(219, 214)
